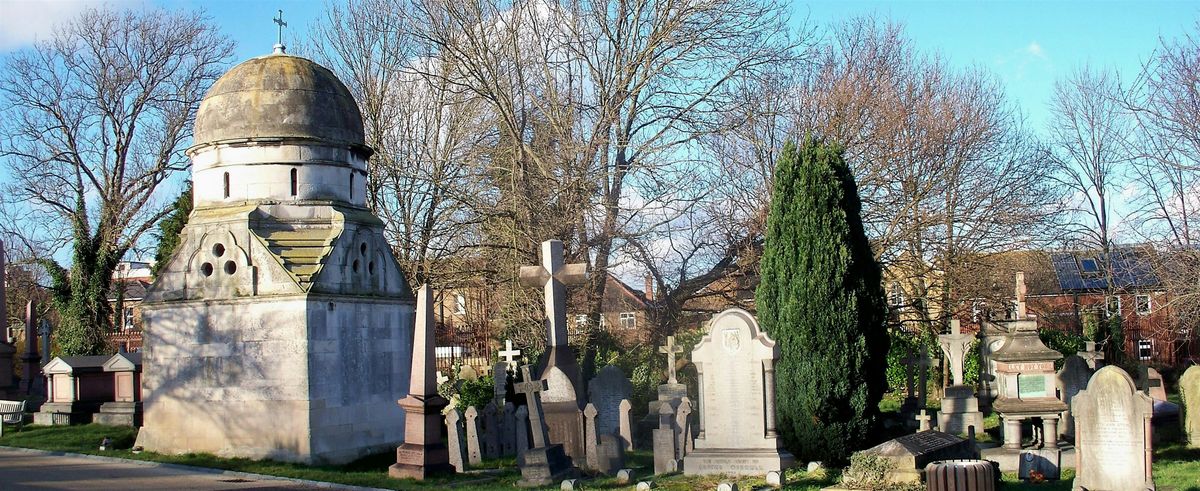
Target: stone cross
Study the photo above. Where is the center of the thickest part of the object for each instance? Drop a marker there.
(510, 355)
(553, 276)
(1091, 355)
(923, 364)
(955, 346)
(442, 378)
(670, 349)
(1021, 291)
(923, 421)
(45, 330)
(531, 388)
(279, 21)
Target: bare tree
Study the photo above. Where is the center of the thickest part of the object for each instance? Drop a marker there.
(1089, 147)
(94, 122)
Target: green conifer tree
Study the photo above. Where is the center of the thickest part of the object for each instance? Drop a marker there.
(822, 300)
(170, 228)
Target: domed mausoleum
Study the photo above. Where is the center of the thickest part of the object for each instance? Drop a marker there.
(282, 326)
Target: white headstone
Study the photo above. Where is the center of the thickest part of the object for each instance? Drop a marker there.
(1112, 433)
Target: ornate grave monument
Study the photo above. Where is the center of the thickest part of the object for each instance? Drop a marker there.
(736, 366)
(960, 407)
(671, 392)
(277, 327)
(78, 386)
(563, 399)
(126, 407)
(423, 452)
(1112, 434)
(544, 463)
(992, 336)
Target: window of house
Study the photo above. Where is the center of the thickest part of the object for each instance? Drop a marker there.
(460, 304)
(581, 320)
(1145, 349)
(896, 295)
(1113, 305)
(128, 318)
(1143, 304)
(976, 310)
(628, 320)
(1089, 266)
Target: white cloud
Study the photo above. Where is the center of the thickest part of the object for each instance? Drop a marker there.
(1035, 50)
(23, 22)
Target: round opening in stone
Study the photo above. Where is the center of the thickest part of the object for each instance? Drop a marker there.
(354, 266)
(371, 267)
(362, 249)
(206, 269)
(230, 267)
(218, 250)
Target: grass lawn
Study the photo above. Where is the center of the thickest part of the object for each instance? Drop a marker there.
(1176, 467)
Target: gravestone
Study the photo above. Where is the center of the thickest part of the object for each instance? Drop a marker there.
(909, 406)
(1151, 382)
(1112, 433)
(960, 407)
(610, 455)
(1072, 378)
(474, 452)
(625, 424)
(423, 452)
(735, 363)
(591, 443)
(468, 373)
(30, 374)
(1166, 414)
(508, 437)
(455, 444)
(499, 382)
(1189, 388)
(683, 428)
(670, 392)
(546, 462)
(665, 451)
(491, 431)
(522, 433)
(563, 398)
(911, 453)
(606, 391)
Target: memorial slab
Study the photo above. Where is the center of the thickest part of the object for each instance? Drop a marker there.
(1112, 434)
(911, 453)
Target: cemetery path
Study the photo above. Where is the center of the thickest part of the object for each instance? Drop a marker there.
(22, 470)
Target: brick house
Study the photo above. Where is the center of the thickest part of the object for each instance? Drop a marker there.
(624, 312)
(129, 283)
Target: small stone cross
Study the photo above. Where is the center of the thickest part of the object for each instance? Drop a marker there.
(1022, 311)
(553, 276)
(441, 379)
(923, 421)
(1091, 356)
(670, 349)
(280, 22)
(509, 354)
(531, 388)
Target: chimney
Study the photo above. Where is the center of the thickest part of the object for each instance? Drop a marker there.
(649, 287)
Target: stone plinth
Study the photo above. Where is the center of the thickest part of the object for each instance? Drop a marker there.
(544, 466)
(736, 366)
(960, 411)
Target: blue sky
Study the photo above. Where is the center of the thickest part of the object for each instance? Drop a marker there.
(1028, 45)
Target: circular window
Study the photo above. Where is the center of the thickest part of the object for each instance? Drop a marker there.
(218, 250)
(362, 249)
(230, 267)
(371, 267)
(206, 269)
(354, 266)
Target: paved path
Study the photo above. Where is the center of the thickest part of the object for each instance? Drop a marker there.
(21, 470)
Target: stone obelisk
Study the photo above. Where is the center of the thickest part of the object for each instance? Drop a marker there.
(30, 358)
(423, 452)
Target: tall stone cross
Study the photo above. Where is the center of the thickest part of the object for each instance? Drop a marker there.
(955, 346)
(553, 276)
(531, 388)
(670, 349)
(509, 354)
(280, 22)
(1022, 310)
(1091, 355)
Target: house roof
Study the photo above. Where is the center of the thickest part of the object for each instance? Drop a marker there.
(1129, 268)
(135, 289)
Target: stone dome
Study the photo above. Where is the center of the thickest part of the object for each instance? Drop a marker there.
(279, 96)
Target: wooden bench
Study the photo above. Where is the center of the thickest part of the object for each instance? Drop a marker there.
(13, 413)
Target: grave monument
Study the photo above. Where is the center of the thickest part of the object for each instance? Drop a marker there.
(1072, 378)
(563, 400)
(281, 327)
(735, 362)
(960, 407)
(1189, 388)
(671, 392)
(423, 452)
(1112, 434)
(125, 409)
(545, 462)
(77, 387)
